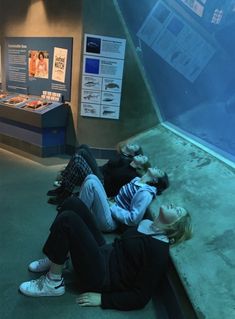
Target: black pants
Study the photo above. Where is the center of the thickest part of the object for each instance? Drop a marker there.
(76, 233)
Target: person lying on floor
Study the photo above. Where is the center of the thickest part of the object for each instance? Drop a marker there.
(112, 183)
(79, 167)
(125, 209)
(125, 151)
(118, 175)
(84, 151)
(82, 164)
(123, 275)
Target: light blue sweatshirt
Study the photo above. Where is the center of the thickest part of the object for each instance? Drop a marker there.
(142, 198)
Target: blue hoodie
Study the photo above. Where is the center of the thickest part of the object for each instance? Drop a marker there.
(134, 214)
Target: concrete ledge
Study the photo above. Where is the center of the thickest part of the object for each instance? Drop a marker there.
(205, 186)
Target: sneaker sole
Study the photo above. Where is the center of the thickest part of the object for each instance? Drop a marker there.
(27, 293)
(38, 271)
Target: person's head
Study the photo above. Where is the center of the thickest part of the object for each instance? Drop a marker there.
(34, 55)
(140, 162)
(157, 178)
(41, 55)
(175, 221)
(129, 149)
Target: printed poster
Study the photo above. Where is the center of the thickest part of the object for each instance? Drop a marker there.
(175, 41)
(34, 65)
(59, 64)
(103, 64)
(38, 64)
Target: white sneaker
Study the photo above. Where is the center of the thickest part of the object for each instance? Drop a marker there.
(44, 264)
(40, 265)
(43, 287)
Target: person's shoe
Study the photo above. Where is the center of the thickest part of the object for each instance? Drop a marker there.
(55, 192)
(40, 265)
(43, 287)
(59, 199)
(54, 200)
(57, 183)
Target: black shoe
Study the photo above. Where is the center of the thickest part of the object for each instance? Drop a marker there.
(53, 200)
(59, 199)
(55, 192)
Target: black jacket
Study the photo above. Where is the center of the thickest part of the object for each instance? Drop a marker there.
(137, 263)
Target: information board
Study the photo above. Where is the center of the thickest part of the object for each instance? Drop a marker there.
(37, 64)
(103, 64)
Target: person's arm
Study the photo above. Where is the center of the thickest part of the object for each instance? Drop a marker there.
(139, 204)
(134, 298)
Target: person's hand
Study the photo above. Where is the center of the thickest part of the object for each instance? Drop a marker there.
(89, 299)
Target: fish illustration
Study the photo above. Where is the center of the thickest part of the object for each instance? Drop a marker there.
(107, 99)
(108, 112)
(91, 96)
(92, 45)
(87, 110)
(111, 85)
(90, 83)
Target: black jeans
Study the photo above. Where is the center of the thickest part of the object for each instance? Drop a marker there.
(75, 232)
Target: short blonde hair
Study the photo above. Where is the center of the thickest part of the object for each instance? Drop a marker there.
(180, 230)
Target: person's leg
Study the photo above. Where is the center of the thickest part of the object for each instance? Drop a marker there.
(93, 195)
(76, 204)
(86, 153)
(69, 234)
(76, 173)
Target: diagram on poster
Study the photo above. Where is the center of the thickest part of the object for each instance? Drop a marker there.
(112, 85)
(91, 96)
(103, 64)
(59, 64)
(110, 112)
(89, 109)
(91, 82)
(104, 46)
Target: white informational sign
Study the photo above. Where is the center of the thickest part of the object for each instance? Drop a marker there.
(195, 6)
(176, 41)
(59, 64)
(103, 63)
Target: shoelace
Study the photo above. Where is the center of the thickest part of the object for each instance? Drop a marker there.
(40, 282)
(42, 262)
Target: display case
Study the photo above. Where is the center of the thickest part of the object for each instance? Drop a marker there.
(33, 124)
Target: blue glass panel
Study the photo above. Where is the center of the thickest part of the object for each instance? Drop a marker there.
(187, 49)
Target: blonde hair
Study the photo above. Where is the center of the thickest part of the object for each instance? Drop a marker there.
(180, 230)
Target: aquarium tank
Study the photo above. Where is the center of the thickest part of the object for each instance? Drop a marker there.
(186, 50)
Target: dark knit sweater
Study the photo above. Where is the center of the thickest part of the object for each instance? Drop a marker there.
(137, 263)
(117, 173)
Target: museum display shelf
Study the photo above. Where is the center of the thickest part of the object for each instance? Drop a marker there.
(33, 124)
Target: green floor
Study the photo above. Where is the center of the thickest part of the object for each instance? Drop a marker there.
(25, 218)
(205, 264)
